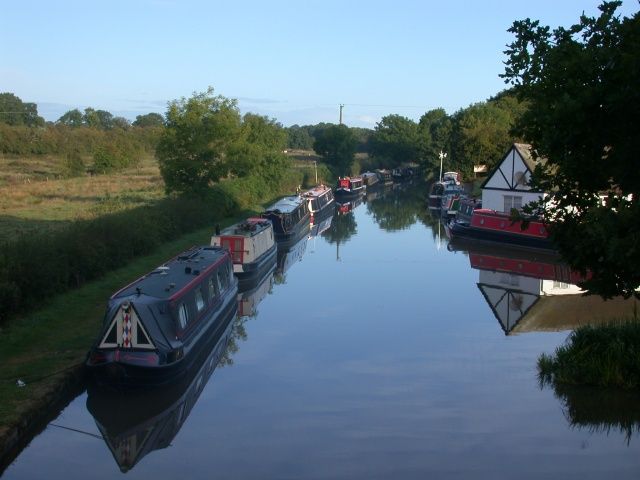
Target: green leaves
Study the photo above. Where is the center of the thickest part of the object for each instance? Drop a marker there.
(584, 107)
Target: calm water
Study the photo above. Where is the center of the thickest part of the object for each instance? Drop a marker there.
(371, 352)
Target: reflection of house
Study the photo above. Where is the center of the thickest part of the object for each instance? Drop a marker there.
(535, 294)
(507, 187)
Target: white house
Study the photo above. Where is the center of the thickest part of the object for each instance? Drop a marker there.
(507, 187)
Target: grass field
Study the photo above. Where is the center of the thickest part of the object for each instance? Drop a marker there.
(33, 196)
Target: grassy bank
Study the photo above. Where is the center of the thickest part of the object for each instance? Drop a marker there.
(603, 356)
(41, 348)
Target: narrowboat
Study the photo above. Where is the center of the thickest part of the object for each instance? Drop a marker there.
(319, 200)
(490, 226)
(134, 423)
(369, 179)
(154, 327)
(435, 195)
(451, 197)
(451, 177)
(252, 247)
(290, 218)
(350, 186)
(466, 208)
(384, 176)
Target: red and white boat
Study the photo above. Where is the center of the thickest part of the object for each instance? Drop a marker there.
(489, 226)
(350, 186)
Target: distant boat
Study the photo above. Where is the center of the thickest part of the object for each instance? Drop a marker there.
(290, 218)
(155, 326)
(384, 176)
(369, 179)
(350, 186)
(319, 200)
(435, 195)
(451, 197)
(252, 247)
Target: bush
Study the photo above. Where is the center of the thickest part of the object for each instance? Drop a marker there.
(37, 267)
(72, 165)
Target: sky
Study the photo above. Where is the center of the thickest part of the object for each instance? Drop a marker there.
(295, 61)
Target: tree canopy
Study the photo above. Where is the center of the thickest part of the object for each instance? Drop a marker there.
(581, 85)
(205, 139)
(395, 140)
(337, 144)
(13, 111)
(149, 120)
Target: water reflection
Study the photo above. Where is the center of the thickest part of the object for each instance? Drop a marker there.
(288, 256)
(134, 423)
(600, 410)
(529, 291)
(399, 208)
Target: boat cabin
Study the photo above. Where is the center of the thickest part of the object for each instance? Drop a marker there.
(318, 198)
(246, 241)
(157, 321)
(507, 186)
(287, 215)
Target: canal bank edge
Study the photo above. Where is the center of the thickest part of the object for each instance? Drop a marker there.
(50, 384)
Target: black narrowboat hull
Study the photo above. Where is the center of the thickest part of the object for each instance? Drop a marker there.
(116, 369)
(254, 271)
(460, 231)
(290, 237)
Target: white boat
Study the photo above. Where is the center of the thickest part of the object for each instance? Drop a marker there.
(319, 199)
(252, 247)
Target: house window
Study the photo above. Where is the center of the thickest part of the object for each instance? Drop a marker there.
(512, 201)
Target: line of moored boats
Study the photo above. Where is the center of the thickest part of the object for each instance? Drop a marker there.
(154, 327)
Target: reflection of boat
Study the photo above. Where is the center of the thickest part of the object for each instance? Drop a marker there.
(534, 291)
(155, 326)
(320, 225)
(290, 218)
(494, 227)
(135, 423)
(319, 199)
(343, 207)
(248, 301)
(290, 255)
(252, 248)
(350, 186)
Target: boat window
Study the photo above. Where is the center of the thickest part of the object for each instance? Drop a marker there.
(214, 288)
(183, 316)
(199, 300)
(223, 277)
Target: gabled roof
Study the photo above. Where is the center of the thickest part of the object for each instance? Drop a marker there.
(524, 150)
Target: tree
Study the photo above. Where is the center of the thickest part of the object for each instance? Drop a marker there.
(149, 120)
(13, 111)
(337, 145)
(72, 118)
(395, 140)
(299, 138)
(581, 85)
(434, 136)
(121, 123)
(193, 146)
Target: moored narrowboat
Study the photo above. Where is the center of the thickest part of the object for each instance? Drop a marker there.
(384, 176)
(489, 226)
(290, 218)
(319, 200)
(350, 186)
(155, 326)
(252, 246)
(451, 197)
(369, 179)
(466, 208)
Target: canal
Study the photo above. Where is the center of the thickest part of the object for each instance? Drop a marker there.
(372, 351)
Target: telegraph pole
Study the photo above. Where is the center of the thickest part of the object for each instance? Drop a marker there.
(341, 107)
